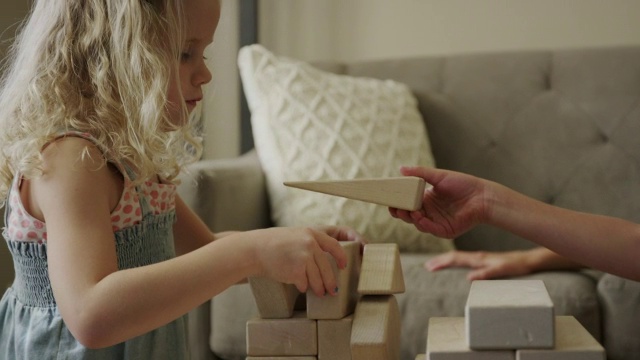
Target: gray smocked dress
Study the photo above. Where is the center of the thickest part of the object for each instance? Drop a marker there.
(31, 324)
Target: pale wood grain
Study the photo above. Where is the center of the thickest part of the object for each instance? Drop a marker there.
(399, 192)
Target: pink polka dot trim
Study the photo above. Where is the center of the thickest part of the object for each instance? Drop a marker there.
(23, 227)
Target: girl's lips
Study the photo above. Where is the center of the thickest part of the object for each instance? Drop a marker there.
(193, 103)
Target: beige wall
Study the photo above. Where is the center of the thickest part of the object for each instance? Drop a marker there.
(221, 105)
(371, 29)
(11, 13)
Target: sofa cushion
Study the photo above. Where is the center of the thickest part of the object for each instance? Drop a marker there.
(444, 294)
(313, 125)
(619, 299)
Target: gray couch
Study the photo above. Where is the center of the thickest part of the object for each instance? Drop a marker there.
(560, 126)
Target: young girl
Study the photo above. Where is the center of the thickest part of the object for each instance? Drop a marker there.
(457, 202)
(94, 129)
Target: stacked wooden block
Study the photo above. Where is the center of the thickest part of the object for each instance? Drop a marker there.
(361, 322)
(510, 319)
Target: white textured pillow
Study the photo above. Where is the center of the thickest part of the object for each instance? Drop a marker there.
(313, 125)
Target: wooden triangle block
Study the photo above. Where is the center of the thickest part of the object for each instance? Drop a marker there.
(381, 271)
(404, 192)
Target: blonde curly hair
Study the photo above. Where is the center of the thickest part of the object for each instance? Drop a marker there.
(101, 67)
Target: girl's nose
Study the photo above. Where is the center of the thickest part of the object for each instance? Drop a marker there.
(202, 75)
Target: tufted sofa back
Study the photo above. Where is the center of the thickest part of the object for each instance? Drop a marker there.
(560, 126)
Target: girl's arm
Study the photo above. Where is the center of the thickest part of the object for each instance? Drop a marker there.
(190, 232)
(103, 306)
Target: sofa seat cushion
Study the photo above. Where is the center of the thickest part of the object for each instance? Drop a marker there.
(619, 299)
(309, 124)
(444, 294)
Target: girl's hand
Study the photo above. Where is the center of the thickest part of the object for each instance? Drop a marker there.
(484, 265)
(297, 256)
(343, 233)
(454, 204)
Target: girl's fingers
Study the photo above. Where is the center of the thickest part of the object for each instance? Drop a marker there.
(315, 279)
(331, 245)
(302, 284)
(326, 272)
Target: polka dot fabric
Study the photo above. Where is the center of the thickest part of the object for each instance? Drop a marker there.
(21, 226)
(128, 212)
(24, 227)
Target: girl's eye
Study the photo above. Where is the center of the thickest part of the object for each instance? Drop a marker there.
(185, 56)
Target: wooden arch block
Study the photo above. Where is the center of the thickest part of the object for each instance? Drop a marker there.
(275, 300)
(375, 332)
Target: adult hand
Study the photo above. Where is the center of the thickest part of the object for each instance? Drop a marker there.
(484, 265)
(451, 206)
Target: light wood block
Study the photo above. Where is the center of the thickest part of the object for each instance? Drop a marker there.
(381, 271)
(446, 341)
(375, 333)
(509, 314)
(275, 300)
(334, 339)
(297, 336)
(404, 192)
(573, 342)
(344, 302)
(421, 357)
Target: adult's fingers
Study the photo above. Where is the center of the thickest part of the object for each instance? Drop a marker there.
(430, 175)
(403, 215)
(454, 259)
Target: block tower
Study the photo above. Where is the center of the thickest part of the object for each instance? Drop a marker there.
(361, 322)
(510, 320)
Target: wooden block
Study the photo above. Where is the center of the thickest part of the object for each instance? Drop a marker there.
(297, 336)
(375, 333)
(381, 271)
(446, 341)
(573, 342)
(275, 300)
(509, 314)
(421, 357)
(344, 302)
(334, 339)
(404, 192)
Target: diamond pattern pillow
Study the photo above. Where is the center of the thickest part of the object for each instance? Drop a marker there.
(312, 125)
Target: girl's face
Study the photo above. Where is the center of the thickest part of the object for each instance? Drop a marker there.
(201, 19)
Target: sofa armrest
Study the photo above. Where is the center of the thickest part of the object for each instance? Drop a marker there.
(227, 194)
(619, 299)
